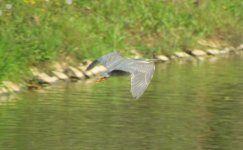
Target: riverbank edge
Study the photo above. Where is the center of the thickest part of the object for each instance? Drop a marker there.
(71, 70)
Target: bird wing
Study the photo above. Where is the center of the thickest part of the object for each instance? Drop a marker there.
(141, 74)
(108, 60)
(141, 71)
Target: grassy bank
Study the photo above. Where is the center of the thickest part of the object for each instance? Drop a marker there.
(37, 31)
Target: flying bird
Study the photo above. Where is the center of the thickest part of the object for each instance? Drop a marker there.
(141, 70)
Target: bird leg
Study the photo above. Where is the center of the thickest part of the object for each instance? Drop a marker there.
(101, 79)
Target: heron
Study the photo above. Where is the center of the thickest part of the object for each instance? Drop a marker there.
(141, 70)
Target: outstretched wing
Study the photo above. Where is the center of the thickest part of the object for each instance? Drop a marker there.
(141, 74)
(141, 71)
(108, 60)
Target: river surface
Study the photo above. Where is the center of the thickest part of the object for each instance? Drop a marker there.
(188, 106)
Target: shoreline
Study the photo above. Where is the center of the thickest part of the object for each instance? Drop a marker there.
(62, 71)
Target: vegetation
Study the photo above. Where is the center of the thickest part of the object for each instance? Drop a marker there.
(37, 31)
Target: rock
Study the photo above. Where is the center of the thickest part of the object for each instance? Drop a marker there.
(136, 54)
(162, 58)
(3, 90)
(172, 57)
(240, 47)
(181, 55)
(231, 48)
(101, 69)
(224, 51)
(44, 78)
(74, 72)
(11, 86)
(58, 67)
(198, 53)
(34, 71)
(60, 75)
(213, 52)
(96, 70)
(82, 67)
(89, 73)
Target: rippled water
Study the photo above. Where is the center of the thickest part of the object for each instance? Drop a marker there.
(190, 106)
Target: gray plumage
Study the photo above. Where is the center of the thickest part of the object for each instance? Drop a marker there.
(141, 70)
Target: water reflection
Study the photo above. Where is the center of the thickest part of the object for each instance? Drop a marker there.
(188, 106)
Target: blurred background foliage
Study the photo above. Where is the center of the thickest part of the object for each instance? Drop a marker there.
(40, 31)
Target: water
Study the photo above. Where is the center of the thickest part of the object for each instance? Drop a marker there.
(187, 107)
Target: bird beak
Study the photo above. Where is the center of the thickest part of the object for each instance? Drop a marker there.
(101, 79)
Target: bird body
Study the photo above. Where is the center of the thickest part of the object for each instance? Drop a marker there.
(141, 71)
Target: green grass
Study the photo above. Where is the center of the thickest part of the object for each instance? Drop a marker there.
(35, 31)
